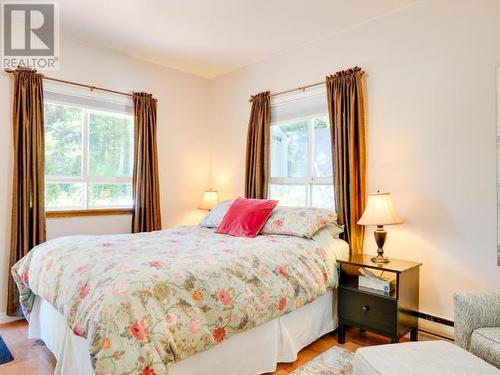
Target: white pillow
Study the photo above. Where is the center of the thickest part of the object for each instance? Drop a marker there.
(215, 216)
(335, 247)
(335, 229)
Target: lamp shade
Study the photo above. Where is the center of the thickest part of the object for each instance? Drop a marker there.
(210, 200)
(379, 210)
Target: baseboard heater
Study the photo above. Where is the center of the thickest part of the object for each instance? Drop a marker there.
(432, 318)
(435, 325)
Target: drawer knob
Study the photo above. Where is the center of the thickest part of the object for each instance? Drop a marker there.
(365, 308)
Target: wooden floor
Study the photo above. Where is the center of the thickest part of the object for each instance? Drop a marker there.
(33, 358)
(354, 339)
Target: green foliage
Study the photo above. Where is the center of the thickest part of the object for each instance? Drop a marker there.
(321, 123)
(63, 140)
(59, 195)
(297, 147)
(110, 145)
(105, 195)
(289, 159)
(110, 154)
(294, 127)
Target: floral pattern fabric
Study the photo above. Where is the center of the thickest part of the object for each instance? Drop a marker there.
(298, 221)
(145, 301)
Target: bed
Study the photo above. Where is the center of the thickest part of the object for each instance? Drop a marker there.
(180, 301)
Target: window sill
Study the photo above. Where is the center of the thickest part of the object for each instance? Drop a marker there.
(91, 212)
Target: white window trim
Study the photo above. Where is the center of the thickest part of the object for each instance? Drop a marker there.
(84, 178)
(311, 179)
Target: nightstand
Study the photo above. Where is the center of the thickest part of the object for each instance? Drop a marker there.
(391, 314)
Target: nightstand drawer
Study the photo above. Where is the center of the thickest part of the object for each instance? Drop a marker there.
(368, 310)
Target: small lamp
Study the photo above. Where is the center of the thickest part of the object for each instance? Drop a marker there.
(379, 211)
(210, 200)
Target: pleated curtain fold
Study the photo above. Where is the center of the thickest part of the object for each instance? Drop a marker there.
(28, 206)
(347, 123)
(146, 215)
(257, 148)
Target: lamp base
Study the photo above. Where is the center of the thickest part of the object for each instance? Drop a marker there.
(380, 236)
(380, 259)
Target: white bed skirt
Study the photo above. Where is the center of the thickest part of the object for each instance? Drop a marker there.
(255, 351)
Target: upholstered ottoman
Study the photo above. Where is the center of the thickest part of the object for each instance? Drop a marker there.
(422, 358)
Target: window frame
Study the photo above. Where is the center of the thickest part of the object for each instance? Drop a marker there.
(85, 179)
(310, 180)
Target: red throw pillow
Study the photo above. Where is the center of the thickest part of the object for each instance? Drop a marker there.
(246, 217)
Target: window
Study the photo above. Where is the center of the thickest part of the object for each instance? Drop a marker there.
(301, 158)
(88, 154)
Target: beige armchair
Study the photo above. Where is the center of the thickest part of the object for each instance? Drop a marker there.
(477, 324)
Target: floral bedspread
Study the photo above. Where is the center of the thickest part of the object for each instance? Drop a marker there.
(145, 301)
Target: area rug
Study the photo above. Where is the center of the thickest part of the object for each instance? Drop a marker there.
(335, 361)
(5, 354)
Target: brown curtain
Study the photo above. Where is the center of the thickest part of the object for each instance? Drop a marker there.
(28, 206)
(347, 119)
(257, 152)
(146, 216)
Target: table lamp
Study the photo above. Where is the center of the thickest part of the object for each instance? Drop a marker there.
(379, 211)
(210, 200)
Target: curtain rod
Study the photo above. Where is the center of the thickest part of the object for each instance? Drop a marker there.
(355, 70)
(92, 88)
(300, 88)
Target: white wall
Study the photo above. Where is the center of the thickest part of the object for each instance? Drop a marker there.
(431, 132)
(498, 166)
(183, 144)
(59, 227)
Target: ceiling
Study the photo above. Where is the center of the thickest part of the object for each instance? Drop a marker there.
(213, 37)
